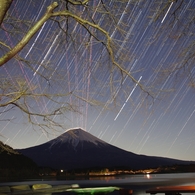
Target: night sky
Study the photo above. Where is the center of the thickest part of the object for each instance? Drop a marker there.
(158, 123)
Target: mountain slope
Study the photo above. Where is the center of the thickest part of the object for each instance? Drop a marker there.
(78, 149)
(14, 164)
(10, 158)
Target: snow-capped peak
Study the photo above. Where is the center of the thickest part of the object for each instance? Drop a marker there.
(74, 136)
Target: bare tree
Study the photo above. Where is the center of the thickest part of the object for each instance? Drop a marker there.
(66, 16)
(177, 19)
(75, 24)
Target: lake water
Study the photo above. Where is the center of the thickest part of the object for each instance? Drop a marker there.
(138, 183)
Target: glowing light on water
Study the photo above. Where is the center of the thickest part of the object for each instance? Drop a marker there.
(148, 176)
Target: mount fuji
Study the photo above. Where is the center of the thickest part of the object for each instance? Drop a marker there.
(78, 149)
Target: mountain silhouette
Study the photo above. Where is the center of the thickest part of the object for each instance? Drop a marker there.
(10, 158)
(13, 164)
(78, 149)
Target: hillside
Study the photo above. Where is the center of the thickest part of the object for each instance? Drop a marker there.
(14, 164)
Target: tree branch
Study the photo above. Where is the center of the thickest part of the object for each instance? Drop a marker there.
(4, 6)
(108, 41)
(29, 35)
(49, 13)
(78, 2)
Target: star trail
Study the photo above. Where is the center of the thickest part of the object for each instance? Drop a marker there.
(152, 45)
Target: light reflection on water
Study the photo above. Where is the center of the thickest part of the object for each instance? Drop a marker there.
(138, 183)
